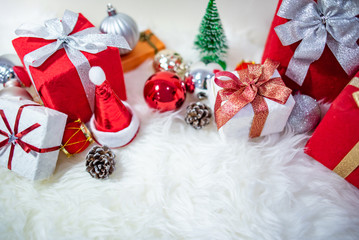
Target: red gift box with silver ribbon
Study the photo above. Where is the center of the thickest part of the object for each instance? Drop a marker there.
(316, 43)
(58, 57)
(30, 137)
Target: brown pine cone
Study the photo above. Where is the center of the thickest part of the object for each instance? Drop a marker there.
(198, 115)
(100, 162)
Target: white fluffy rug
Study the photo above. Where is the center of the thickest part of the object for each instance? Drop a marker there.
(173, 182)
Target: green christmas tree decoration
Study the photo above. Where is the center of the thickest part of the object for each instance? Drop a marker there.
(211, 41)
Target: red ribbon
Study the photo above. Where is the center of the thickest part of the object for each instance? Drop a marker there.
(14, 137)
(253, 84)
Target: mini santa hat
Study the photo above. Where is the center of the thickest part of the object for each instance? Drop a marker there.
(114, 123)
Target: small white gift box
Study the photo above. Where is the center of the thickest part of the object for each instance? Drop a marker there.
(30, 137)
(240, 124)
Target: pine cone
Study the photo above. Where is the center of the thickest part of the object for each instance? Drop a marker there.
(100, 162)
(198, 115)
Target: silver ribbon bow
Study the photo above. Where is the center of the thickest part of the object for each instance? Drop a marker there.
(331, 22)
(88, 40)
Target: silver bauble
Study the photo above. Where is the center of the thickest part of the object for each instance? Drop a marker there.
(305, 115)
(168, 60)
(121, 24)
(200, 78)
(6, 70)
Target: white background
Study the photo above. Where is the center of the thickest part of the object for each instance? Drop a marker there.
(169, 19)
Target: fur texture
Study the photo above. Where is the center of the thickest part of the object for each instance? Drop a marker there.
(173, 182)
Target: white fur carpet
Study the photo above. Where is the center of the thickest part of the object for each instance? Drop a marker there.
(173, 182)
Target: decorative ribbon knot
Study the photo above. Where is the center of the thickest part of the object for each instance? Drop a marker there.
(328, 22)
(12, 139)
(324, 19)
(63, 39)
(15, 138)
(88, 40)
(252, 85)
(146, 37)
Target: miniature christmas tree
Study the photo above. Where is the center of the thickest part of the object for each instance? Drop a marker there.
(211, 40)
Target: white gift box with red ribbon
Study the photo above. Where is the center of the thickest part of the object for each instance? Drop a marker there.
(30, 137)
(240, 124)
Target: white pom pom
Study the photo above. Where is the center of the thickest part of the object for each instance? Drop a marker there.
(97, 75)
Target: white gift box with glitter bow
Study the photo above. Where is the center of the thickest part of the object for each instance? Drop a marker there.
(240, 124)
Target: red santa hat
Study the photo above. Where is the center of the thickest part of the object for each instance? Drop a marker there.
(114, 123)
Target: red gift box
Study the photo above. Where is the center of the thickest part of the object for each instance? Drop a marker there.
(57, 80)
(336, 140)
(325, 78)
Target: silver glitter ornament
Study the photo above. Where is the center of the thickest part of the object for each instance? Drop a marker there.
(200, 78)
(168, 60)
(6, 72)
(121, 24)
(305, 115)
(182, 70)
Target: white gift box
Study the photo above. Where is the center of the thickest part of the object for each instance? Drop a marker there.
(32, 165)
(240, 124)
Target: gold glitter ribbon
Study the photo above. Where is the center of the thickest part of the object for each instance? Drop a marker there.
(355, 82)
(351, 161)
(253, 84)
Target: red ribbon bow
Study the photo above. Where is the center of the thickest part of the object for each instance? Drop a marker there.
(14, 137)
(253, 84)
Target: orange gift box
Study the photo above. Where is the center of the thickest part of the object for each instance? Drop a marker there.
(147, 47)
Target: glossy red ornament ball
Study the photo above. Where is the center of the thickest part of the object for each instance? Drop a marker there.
(190, 86)
(76, 138)
(164, 91)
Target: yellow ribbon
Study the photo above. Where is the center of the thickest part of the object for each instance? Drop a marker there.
(355, 82)
(356, 97)
(351, 161)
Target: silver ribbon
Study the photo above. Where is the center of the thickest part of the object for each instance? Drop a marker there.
(88, 40)
(331, 22)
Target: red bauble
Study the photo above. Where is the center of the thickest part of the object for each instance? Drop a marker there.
(190, 87)
(164, 91)
(76, 138)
